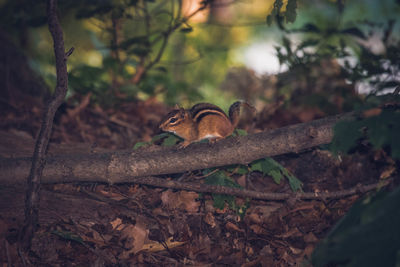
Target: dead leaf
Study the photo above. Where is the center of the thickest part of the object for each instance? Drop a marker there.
(242, 181)
(290, 261)
(249, 251)
(260, 214)
(133, 189)
(112, 195)
(209, 206)
(94, 237)
(294, 232)
(154, 246)
(233, 227)
(255, 218)
(117, 222)
(133, 238)
(372, 112)
(295, 251)
(222, 211)
(210, 219)
(309, 250)
(182, 200)
(257, 229)
(310, 238)
(387, 172)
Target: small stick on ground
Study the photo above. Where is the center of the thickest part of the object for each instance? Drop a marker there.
(216, 189)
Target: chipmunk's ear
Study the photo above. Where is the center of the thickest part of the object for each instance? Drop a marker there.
(177, 107)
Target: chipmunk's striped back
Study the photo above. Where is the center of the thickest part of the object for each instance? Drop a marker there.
(201, 110)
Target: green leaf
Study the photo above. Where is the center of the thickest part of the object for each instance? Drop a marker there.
(220, 200)
(88, 12)
(269, 20)
(140, 144)
(355, 32)
(186, 29)
(161, 69)
(140, 51)
(220, 178)
(240, 132)
(239, 169)
(69, 236)
(276, 175)
(309, 27)
(295, 184)
(159, 136)
(275, 11)
(269, 166)
(382, 131)
(133, 2)
(142, 40)
(207, 171)
(242, 170)
(257, 166)
(308, 43)
(171, 140)
(346, 136)
(290, 13)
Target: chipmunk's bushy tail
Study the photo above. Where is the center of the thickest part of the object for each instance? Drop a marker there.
(234, 111)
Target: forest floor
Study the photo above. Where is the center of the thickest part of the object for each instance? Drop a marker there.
(134, 225)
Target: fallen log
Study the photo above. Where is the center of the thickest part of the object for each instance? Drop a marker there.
(124, 166)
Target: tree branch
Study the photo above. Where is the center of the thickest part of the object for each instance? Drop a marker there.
(124, 166)
(39, 156)
(217, 189)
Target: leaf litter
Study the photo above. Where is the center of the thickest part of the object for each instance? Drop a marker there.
(131, 225)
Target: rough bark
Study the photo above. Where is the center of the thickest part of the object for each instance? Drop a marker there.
(124, 166)
(38, 161)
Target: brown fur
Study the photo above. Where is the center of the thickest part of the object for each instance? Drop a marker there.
(202, 121)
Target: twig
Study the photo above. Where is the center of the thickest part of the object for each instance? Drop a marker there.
(69, 52)
(39, 156)
(114, 120)
(140, 69)
(72, 113)
(175, 23)
(216, 189)
(208, 174)
(236, 25)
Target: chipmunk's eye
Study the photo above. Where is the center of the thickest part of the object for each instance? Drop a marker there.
(173, 120)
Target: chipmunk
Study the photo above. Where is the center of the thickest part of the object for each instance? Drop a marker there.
(202, 121)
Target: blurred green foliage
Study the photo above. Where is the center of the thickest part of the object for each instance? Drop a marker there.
(367, 236)
(348, 43)
(119, 45)
(363, 53)
(363, 38)
(380, 130)
(289, 15)
(184, 59)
